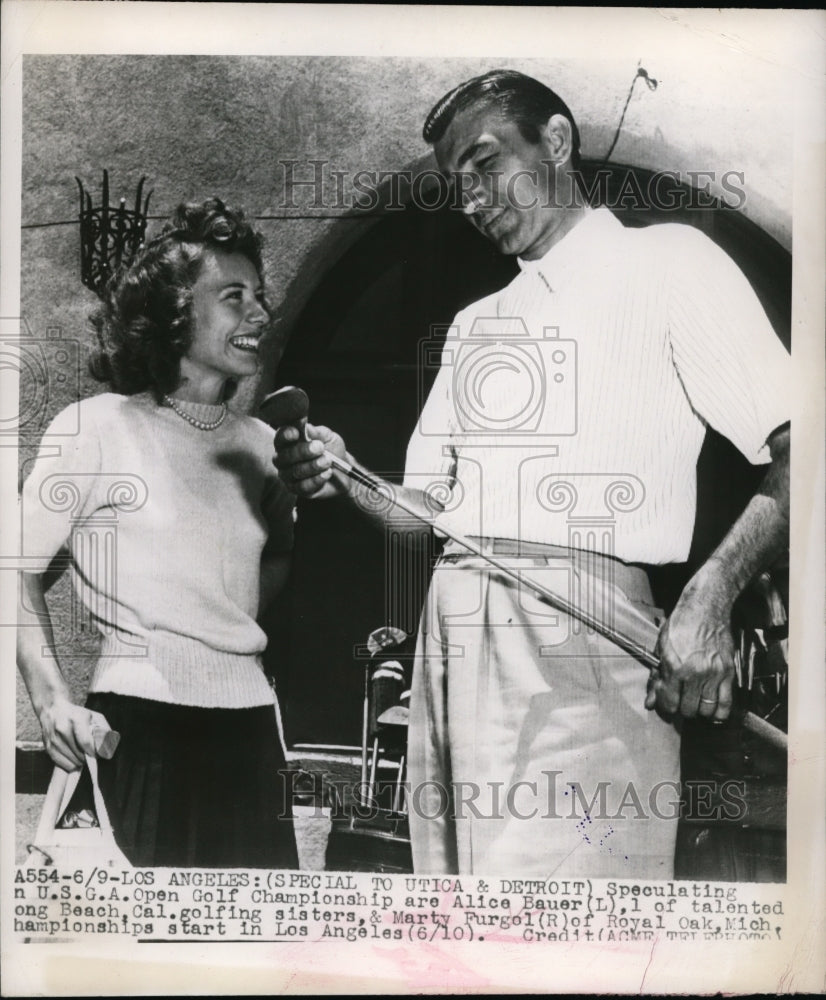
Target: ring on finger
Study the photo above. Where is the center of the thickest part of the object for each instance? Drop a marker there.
(709, 701)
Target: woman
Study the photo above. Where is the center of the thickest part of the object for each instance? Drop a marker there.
(202, 532)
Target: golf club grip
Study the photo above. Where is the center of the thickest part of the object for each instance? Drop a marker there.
(106, 742)
(765, 730)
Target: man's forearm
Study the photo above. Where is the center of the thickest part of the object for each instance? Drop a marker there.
(695, 646)
(761, 533)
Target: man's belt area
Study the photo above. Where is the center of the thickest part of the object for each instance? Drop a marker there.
(608, 591)
(593, 581)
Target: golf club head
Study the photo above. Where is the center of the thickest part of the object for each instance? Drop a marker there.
(289, 405)
(384, 638)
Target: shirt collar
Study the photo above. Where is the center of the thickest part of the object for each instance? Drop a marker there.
(597, 223)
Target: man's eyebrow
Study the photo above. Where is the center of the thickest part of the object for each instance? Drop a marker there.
(472, 150)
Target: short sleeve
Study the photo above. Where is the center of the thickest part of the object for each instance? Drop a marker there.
(735, 370)
(58, 489)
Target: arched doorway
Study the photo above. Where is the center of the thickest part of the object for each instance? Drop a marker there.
(355, 349)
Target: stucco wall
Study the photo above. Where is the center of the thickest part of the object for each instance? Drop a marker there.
(220, 125)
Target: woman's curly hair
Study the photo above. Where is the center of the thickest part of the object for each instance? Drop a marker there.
(144, 325)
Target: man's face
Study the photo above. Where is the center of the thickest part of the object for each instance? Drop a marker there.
(506, 182)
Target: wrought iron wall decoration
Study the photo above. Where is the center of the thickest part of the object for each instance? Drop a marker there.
(108, 236)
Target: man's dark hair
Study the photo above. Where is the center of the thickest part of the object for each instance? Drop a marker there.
(520, 99)
(144, 325)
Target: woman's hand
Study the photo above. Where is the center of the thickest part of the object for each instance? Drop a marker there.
(70, 732)
(304, 465)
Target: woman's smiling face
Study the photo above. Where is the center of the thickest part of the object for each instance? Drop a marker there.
(228, 318)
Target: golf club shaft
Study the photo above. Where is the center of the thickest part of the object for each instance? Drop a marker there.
(750, 721)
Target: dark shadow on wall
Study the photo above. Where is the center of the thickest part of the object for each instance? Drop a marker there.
(355, 348)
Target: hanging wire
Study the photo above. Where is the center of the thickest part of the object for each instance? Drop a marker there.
(652, 85)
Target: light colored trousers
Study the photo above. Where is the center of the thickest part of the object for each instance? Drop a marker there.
(530, 749)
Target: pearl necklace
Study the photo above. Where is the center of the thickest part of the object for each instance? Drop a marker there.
(202, 425)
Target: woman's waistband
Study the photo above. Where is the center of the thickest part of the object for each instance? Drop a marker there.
(162, 666)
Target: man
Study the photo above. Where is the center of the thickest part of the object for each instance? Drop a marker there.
(566, 421)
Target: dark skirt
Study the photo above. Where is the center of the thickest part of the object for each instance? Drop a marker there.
(196, 787)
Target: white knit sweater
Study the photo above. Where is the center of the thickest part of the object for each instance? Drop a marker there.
(166, 524)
